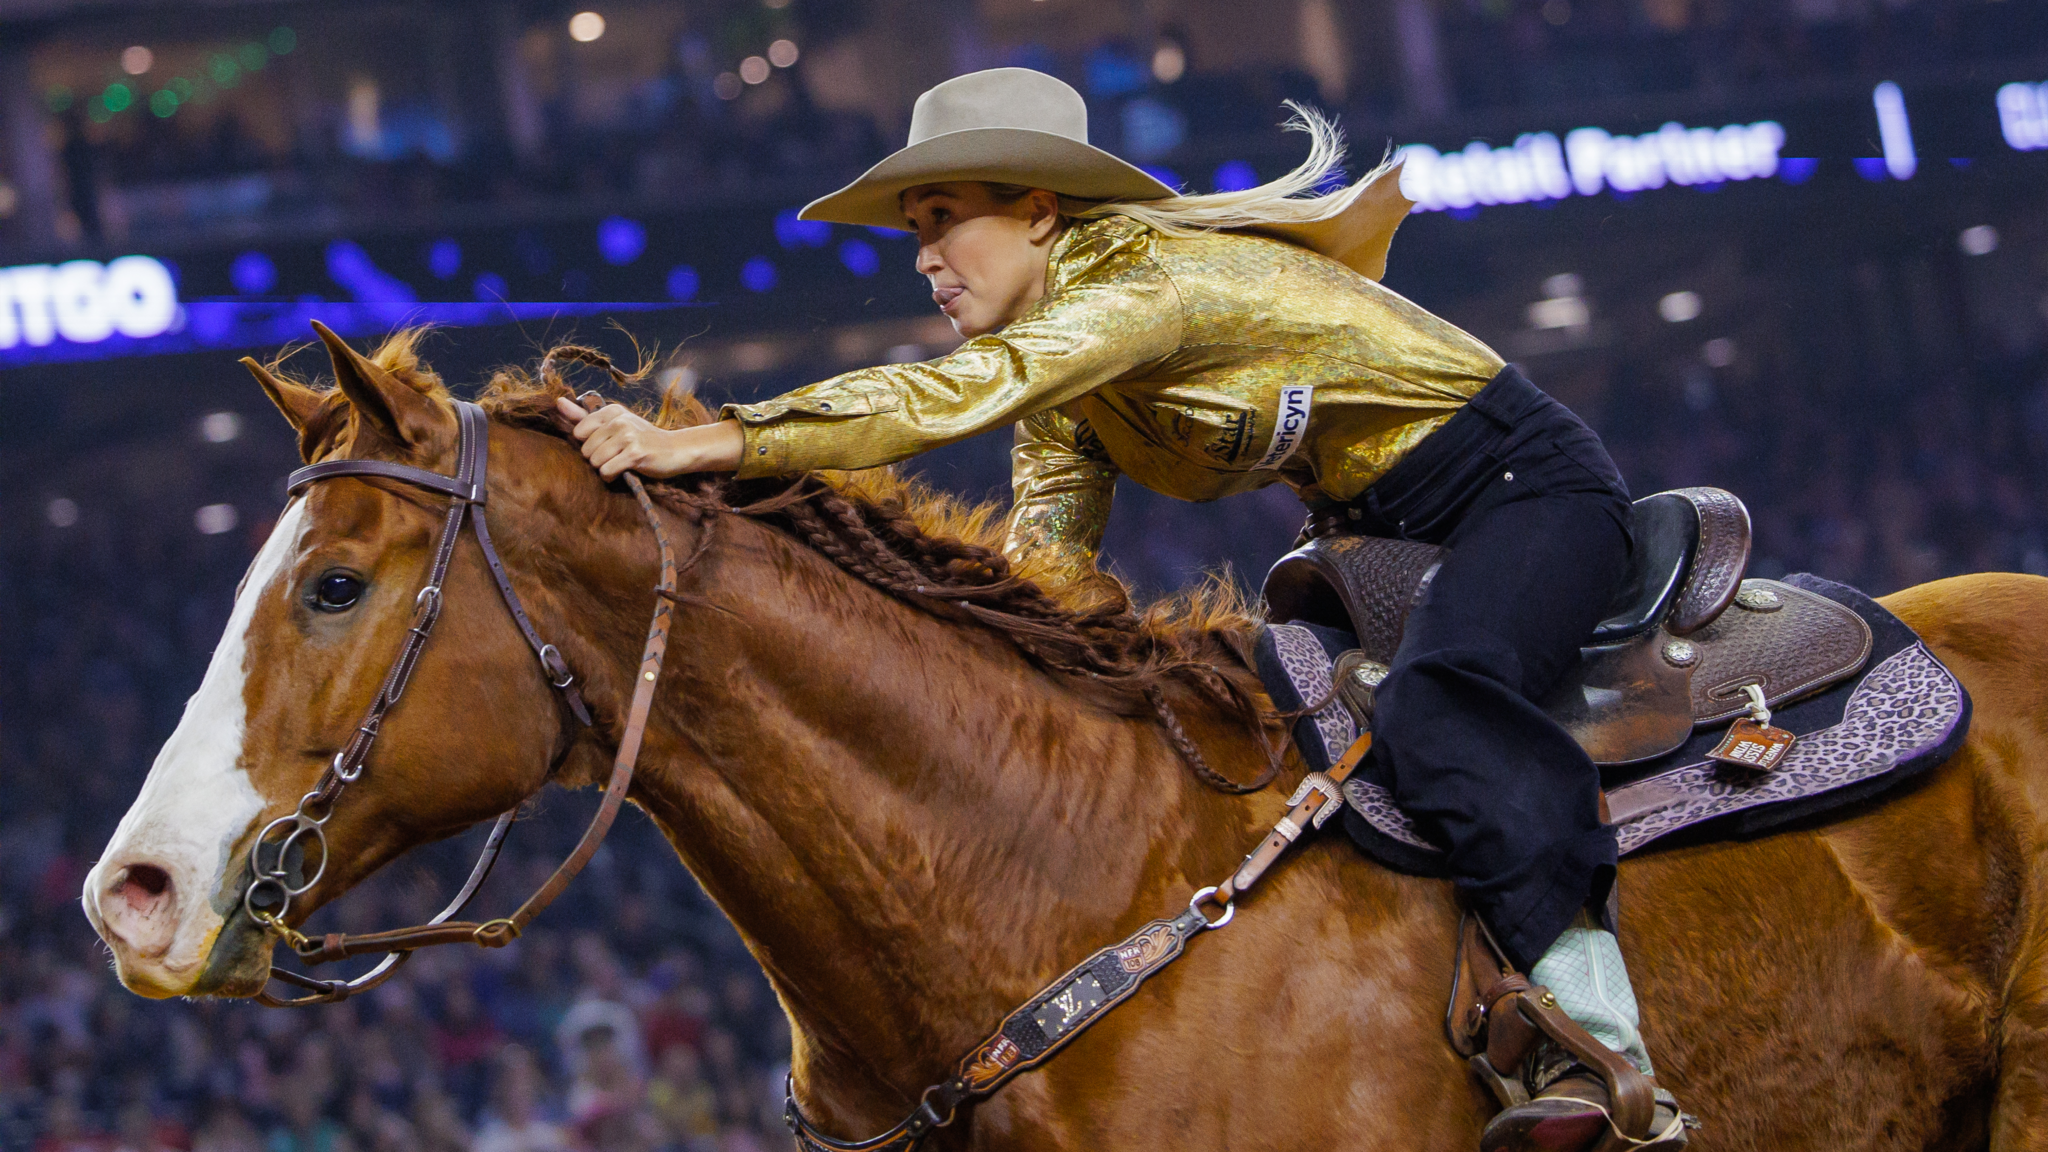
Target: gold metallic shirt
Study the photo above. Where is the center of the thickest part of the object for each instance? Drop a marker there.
(1199, 367)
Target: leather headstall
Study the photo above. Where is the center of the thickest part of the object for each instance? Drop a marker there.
(272, 865)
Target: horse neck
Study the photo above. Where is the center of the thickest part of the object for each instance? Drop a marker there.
(910, 826)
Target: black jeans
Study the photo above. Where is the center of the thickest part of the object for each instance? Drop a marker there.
(1535, 517)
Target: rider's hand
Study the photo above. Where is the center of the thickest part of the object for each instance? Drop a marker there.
(617, 440)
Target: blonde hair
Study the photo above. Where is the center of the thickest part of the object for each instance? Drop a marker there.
(1292, 199)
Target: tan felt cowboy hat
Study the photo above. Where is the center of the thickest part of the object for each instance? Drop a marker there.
(1005, 126)
(1016, 126)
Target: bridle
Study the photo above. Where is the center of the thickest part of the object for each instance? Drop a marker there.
(273, 878)
(1031, 1035)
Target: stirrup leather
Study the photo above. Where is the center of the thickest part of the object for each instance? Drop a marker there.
(1496, 1019)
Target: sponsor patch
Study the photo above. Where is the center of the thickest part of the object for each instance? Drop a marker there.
(1290, 425)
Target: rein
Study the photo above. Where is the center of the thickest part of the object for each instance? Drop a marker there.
(1026, 1038)
(274, 879)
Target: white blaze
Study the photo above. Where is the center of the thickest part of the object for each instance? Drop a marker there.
(198, 800)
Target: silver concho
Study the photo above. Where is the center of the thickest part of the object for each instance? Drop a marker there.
(1681, 653)
(1758, 598)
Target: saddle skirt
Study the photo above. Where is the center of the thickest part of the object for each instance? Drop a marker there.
(1858, 735)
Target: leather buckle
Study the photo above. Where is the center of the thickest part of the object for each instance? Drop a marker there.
(557, 668)
(1321, 784)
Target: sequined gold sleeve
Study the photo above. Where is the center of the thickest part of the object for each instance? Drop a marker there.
(1111, 310)
(1061, 485)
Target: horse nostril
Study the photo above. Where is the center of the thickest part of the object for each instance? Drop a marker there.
(151, 879)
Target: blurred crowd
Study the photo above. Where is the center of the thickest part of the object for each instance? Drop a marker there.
(564, 1041)
(1544, 52)
(679, 122)
(631, 1022)
(631, 1018)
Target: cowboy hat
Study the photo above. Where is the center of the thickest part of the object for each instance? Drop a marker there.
(1003, 125)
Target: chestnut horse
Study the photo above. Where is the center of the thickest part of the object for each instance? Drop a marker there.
(914, 826)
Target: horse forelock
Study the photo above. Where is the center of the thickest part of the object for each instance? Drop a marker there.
(333, 428)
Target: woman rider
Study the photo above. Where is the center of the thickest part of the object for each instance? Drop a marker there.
(1125, 329)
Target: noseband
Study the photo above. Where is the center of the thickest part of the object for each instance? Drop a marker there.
(270, 858)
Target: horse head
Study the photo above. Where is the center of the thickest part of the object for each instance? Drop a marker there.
(316, 624)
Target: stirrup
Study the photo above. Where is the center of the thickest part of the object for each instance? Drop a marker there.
(1497, 1018)
(1572, 1113)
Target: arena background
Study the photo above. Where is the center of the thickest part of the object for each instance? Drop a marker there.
(1835, 308)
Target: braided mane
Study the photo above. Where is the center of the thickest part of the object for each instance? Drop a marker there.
(940, 554)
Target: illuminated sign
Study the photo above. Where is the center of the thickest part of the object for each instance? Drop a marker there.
(1895, 130)
(1538, 167)
(84, 301)
(2023, 115)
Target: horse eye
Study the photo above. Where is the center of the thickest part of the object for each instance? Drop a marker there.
(337, 591)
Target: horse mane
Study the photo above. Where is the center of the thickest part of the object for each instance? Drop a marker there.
(929, 549)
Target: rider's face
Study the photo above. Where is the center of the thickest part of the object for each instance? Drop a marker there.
(986, 259)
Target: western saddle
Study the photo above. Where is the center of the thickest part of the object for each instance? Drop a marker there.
(1668, 658)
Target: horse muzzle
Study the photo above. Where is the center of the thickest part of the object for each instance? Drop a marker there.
(167, 937)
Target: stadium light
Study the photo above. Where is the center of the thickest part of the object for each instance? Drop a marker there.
(585, 27)
(252, 274)
(1169, 62)
(754, 69)
(1234, 176)
(220, 427)
(1679, 307)
(1562, 306)
(621, 240)
(214, 519)
(682, 283)
(860, 258)
(1895, 130)
(2023, 115)
(1979, 241)
(782, 53)
(444, 258)
(137, 60)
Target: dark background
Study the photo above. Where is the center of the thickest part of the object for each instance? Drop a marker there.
(1865, 369)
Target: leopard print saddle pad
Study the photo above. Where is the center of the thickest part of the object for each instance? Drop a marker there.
(1904, 714)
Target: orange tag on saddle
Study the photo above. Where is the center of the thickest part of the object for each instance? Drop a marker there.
(1753, 745)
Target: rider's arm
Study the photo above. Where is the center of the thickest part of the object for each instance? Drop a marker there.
(1061, 485)
(1111, 310)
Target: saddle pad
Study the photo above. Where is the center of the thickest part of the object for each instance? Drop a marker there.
(1905, 714)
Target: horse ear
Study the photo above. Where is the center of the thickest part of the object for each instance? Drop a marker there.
(391, 406)
(305, 408)
(298, 402)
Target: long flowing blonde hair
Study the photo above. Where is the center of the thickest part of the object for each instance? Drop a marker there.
(1292, 199)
